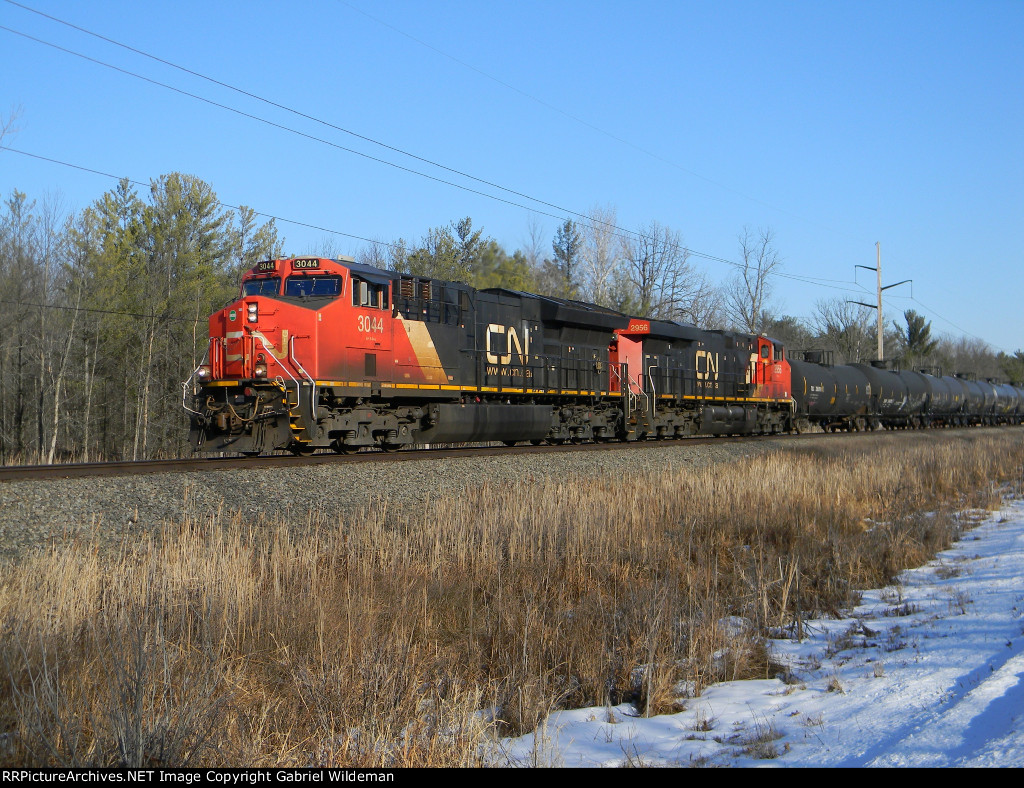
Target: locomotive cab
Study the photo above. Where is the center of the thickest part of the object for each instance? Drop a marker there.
(301, 328)
(771, 373)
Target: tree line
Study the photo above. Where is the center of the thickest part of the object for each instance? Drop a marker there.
(103, 313)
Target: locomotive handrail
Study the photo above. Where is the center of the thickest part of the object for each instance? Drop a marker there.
(616, 369)
(295, 361)
(287, 371)
(266, 348)
(190, 378)
(654, 392)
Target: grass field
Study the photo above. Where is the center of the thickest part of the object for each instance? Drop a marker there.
(417, 638)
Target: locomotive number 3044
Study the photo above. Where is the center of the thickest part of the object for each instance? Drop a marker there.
(368, 323)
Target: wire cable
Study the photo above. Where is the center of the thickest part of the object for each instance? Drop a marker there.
(620, 232)
(657, 157)
(391, 245)
(298, 113)
(703, 255)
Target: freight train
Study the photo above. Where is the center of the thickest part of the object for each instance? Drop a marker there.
(321, 353)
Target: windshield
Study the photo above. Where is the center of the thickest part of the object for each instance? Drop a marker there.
(305, 286)
(270, 286)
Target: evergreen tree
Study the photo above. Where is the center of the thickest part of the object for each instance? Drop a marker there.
(567, 247)
(916, 341)
(1012, 367)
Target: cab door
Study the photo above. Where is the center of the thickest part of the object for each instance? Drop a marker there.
(765, 359)
(370, 331)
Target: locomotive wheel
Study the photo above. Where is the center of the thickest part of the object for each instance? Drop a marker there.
(343, 448)
(390, 447)
(301, 449)
(510, 444)
(536, 441)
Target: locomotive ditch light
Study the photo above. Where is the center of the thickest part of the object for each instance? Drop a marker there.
(204, 372)
(260, 370)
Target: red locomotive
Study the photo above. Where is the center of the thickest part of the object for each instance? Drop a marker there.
(321, 353)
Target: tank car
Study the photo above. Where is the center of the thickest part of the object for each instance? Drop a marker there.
(1009, 402)
(832, 397)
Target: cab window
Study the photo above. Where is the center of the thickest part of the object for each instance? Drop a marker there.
(270, 286)
(313, 286)
(369, 294)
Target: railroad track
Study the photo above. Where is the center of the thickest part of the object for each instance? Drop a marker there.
(205, 464)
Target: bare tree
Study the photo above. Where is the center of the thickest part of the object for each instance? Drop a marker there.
(600, 259)
(666, 285)
(747, 295)
(7, 124)
(968, 355)
(706, 307)
(330, 248)
(533, 246)
(845, 328)
(374, 253)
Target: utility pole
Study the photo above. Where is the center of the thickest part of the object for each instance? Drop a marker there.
(878, 267)
(881, 320)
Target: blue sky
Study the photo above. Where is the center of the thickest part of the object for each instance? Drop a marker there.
(835, 124)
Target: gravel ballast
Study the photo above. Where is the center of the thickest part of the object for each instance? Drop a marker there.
(34, 514)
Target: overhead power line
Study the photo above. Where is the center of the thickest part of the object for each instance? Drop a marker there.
(575, 118)
(300, 114)
(102, 311)
(835, 284)
(332, 231)
(806, 280)
(280, 126)
(619, 232)
(393, 148)
(220, 202)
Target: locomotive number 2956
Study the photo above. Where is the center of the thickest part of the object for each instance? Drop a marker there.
(368, 323)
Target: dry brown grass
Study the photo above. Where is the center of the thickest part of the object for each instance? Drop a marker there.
(415, 638)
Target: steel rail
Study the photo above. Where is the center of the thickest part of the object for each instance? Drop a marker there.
(326, 457)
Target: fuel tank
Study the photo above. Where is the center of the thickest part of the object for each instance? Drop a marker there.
(974, 398)
(457, 423)
(823, 391)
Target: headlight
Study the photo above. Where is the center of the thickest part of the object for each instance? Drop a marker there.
(204, 372)
(253, 312)
(260, 370)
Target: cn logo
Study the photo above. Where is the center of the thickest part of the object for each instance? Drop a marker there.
(706, 365)
(277, 352)
(501, 340)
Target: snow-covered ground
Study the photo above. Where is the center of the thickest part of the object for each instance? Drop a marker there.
(926, 673)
